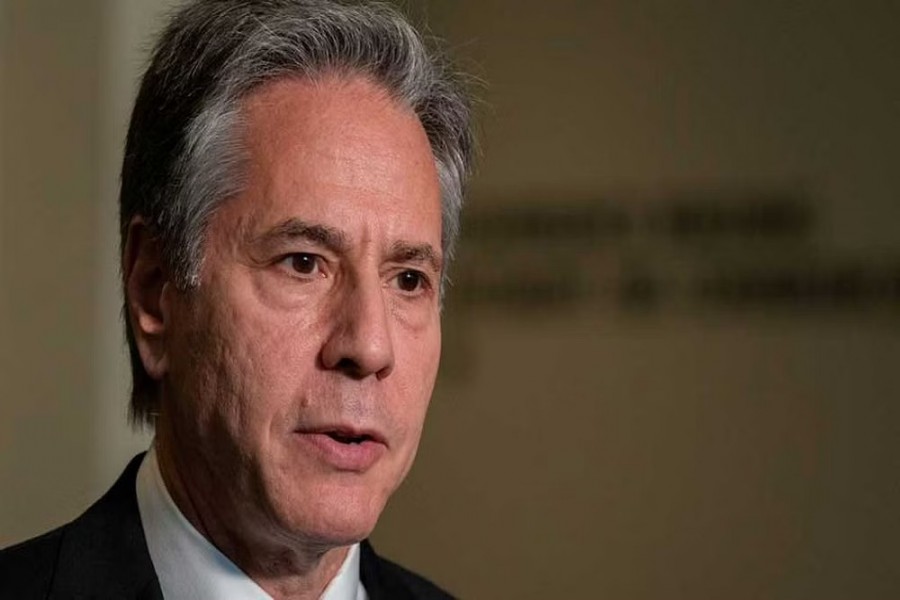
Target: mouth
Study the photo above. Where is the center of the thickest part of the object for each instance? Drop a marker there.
(344, 448)
(343, 437)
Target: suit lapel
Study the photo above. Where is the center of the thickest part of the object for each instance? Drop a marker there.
(379, 585)
(103, 553)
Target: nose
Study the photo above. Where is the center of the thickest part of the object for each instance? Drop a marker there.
(359, 344)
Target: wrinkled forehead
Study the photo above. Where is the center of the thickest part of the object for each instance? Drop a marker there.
(326, 150)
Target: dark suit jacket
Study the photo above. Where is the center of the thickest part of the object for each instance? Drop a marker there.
(102, 554)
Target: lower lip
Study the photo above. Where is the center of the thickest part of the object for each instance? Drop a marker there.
(343, 457)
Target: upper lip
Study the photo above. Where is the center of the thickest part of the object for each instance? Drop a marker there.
(348, 431)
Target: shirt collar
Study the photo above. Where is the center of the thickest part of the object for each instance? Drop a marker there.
(189, 566)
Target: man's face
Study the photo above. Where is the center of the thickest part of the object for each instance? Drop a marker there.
(299, 372)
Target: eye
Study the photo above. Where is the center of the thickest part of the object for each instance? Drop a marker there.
(304, 263)
(411, 281)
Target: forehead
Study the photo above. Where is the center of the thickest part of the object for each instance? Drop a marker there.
(335, 145)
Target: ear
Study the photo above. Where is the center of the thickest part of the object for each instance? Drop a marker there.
(147, 288)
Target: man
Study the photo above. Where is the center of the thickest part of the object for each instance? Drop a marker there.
(290, 197)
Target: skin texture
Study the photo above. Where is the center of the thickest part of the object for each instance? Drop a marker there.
(317, 312)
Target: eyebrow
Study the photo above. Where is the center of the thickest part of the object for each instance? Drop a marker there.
(293, 229)
(417, 253)
(336, 241)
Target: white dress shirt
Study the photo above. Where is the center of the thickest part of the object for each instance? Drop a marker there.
(189, 567)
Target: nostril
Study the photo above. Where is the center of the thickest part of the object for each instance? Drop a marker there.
(350, 367)
(346, 364)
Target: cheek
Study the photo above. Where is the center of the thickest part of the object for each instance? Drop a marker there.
(209, 378)
(265, 363)
(276, 361)
(421, 359)
(233, 369)
(413, 420)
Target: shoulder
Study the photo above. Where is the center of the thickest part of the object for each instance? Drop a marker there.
(26, 569)
(383, 578)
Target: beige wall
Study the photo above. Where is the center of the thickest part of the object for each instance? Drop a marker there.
(594, 452)
(69, 69)
(3, 311)
(580, 451)
(50, 183)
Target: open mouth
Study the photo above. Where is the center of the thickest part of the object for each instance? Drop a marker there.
(343, 448)
(348, 438)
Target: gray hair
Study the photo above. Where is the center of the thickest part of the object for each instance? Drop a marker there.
(183, 156)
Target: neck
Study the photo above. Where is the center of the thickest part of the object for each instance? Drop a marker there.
(282, 566)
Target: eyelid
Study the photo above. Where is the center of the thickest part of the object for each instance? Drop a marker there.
(284, 262)
(426, 282)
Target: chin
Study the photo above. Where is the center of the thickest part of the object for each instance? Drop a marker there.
(332, 515)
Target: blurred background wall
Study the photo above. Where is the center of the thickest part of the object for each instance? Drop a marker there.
(69, 71)
(671, 354)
